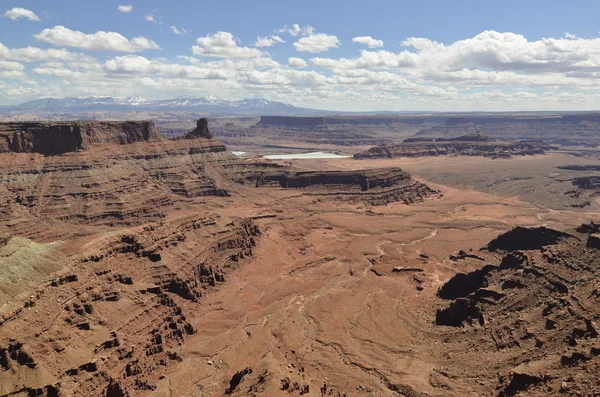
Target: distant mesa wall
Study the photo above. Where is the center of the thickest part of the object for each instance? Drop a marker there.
(477, 137)
(444, 125)
(312, 122)
(51, 138)
(468, 145)
(295, 122)
(457, 121)
(565, 129)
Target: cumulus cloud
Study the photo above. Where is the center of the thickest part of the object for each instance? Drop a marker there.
(11, 66)
(18, 13)
(285, 77)
(268, 41)
(223, 45)
(141, 66)
(297, 63)
(317, 43)
(99, 41)
(368, 41)
(297, 30)
(60, 72)
(370, 60)
(125, 8)
(128, 64)
(489, 58)
(510, 51)
(34, 54)
(179, 31)
(12, 74)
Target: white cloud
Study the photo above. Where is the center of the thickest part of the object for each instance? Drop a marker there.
(509, 51)
(141, 66)
(268, 41)
(223, 45)
(34, 54)
(11, 66)
(18, 13)
(368, 41)
(490, 58)
(60, 72)
(12, 74)
(285, 77)
(370, 60)
(297, 30)
(235, 64)
(125, 8)
(180, 31)
(128, 64)
(150, 18)
(297, 63)
(99, 41)
(317, 43)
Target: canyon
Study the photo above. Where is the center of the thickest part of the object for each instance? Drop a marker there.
(135, 263)
(354, 134)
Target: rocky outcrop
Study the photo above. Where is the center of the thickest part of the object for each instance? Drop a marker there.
(587, 183)
(586, 180)
(522, 238)
(468, 145)
(535, 309)
(51, 138)
(580, 167)
(201, 131)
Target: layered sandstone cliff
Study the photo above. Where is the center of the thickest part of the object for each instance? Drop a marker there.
(377, 186)
(52, 138)
(312, 122)
(468, 145)
(127, 174)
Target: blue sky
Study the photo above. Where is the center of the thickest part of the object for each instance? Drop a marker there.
(330, 54)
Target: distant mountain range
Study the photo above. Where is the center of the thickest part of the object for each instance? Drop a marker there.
(209, 104)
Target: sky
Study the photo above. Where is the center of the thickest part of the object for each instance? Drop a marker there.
(344, 55)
